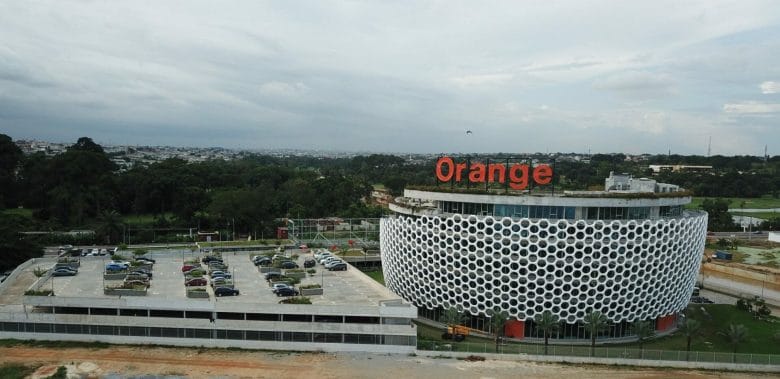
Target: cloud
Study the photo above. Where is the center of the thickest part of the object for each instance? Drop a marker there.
(640, 84)
(751, 107)
(770, 87)
(276, 88)
(482, 80)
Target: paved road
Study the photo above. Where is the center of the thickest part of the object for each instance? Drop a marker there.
(739, 289)
(754, 210)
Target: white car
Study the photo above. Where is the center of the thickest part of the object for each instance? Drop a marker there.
(328, 259)
(333, 262)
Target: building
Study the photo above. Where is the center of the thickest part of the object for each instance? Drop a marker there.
(658, 168)
(631, 252)
(353, 313)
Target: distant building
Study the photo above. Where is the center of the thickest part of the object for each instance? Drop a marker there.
(657, 168)
(625, 183)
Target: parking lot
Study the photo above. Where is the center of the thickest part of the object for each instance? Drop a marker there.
(340, 287)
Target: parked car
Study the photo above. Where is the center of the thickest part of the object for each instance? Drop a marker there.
(142, 271)
(225, 291)
(272, 275)
(329, 264)
(309, 263)
(186, 268)
(278, 286)
(286, 291)
(263, 262)
(223, 275)
(137, 276)
(324, 257)
(196, 282)
(211, 258)
(328, 260)
(220, 281)
(145, 259)
(113, 267)
(338, 267)
(288, 265)
(217, 273)
(63, 271)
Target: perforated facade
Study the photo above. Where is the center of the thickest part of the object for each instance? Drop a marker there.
(630, 270)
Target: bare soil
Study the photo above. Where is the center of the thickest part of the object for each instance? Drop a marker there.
(130, 361)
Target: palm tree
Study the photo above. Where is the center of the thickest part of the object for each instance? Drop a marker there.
(451, 317)
(644, 330)
(690, 328)
(548, 323)
(110, 225)
(595, 322)
(497, 320)
(736, 334)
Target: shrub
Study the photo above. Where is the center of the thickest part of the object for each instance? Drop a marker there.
(296, 300)
(140, 252)
(311, 271)
(40, 271)
(37, 293)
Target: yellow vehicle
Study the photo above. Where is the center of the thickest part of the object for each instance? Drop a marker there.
(456, 332)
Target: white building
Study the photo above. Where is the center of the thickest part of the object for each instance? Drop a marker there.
(629, 252)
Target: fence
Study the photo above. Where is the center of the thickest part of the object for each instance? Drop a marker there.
(604, 352)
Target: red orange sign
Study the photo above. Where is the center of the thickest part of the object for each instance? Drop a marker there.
(447, 170)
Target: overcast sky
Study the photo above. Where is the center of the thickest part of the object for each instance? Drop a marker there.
(396, 76)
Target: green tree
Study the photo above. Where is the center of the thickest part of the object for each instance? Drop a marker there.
(111, 227)
(497, 320)
(690, 328)
(644, 330)
(10, 160)
(595, 322)
(548, 323)
(735, 334)
(452, 316)
(719, 216)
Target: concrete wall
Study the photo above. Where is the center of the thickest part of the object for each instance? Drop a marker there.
(546, 200)
(266, 345)
(768, 277)
(774, 236)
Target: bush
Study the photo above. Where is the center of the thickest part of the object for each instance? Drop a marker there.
(37, 293)
(311, 271)
(40, 271)
(296, 300)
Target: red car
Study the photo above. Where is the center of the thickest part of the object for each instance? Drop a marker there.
(186, 268)
(196, 282)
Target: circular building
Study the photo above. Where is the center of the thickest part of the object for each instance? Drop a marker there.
(631, 252)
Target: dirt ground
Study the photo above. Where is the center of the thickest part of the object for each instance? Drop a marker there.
(123, 362)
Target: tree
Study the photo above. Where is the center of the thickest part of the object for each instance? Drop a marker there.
(690, 328)
(10, 159)
(723, 243)
(498, 319)
(548, 323)
(735, 334)
(452, 316)
(595, 322)
(111, 226)
(644, 330)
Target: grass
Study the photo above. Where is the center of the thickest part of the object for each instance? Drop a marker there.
(377, 275)
(143, 219)
(762, 215)
(24, 212)
(765, 201)
(761, 338)
(243, 242)
(760, 333)
(15, 371)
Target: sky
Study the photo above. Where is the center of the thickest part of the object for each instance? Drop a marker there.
(408, 76)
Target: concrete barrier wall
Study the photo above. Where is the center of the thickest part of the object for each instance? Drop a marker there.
(609, 361)
(18, 270)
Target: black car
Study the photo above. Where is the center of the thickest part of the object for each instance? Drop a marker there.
(309, 263)
(145, 259)
(288, 265)
(286, 291)
(211, 258)
(338, 267)
(225, 291)
(264, 261)
(273, 275)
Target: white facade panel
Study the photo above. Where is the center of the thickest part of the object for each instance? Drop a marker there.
(629, 269)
